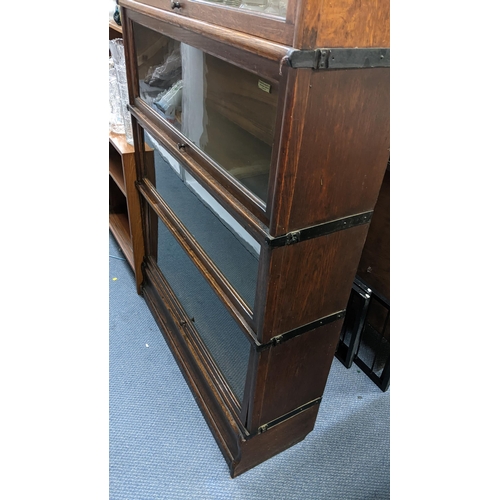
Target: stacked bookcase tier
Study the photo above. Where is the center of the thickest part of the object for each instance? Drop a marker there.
(269, 153)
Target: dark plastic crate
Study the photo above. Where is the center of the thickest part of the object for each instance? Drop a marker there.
(364, 339)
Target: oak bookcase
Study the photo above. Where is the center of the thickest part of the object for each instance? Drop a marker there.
(270, 133)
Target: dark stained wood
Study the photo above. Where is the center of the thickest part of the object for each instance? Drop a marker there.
(240, 450)
(212, 39)
(235, 305)
(260, 25)
(130, 56)
(293, 373)
(292, 126)
(222, 187)
(307, 17)
(197, 348)
(287, 75)
(261, 298)
(293, 6)
(245, 196)
(310, 280)
(261, 447)
(150, 222)
(145, 169)
(309, 23)
(256, 205)
(334, 161)
(135, 219)
(248, 402)
(146, 162)
(256, 388)
(221, 419)
(330, 148)
(374, 265)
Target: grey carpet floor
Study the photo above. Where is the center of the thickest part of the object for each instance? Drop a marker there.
(161, 448)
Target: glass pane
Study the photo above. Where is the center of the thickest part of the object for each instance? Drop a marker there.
(219, 332)
(228, 112)
(273, 7)
(230, 247)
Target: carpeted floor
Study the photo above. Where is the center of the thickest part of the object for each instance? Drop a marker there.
(161, 447)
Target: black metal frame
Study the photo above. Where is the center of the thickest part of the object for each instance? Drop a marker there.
(320, 230)
(340, 58)
(356, 329)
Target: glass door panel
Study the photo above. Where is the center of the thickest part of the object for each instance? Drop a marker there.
(224, 240)
(272, 7)
(227, 112)
(226, 343)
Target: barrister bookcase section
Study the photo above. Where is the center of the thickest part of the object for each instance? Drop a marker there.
(261, 141)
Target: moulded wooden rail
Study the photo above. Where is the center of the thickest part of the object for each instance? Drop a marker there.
(259, 46)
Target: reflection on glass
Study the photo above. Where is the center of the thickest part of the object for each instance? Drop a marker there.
(257, 5)
(217, 329)
(273, 7)
(283, 7)
(229, 246)
(278, 7)
(228, 112)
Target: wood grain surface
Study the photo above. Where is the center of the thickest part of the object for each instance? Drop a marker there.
(310, 280)
(333, 158)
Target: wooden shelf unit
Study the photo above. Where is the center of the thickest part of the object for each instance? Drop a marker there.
(121, 158)
(124, 209)
(255, 341)
(115, 31)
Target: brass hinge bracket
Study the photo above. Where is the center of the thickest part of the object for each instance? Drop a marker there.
(319, 230)
(278, 339)
(276, 421)
(340, 58)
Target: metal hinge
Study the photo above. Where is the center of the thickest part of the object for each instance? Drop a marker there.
(276, 421)
(340, 58)
(278, 339)
(281, 241)
(293, 237)
(262, 428)
(319, 230)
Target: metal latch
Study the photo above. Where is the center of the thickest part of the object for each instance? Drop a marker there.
(323, 58)
(340, 58)
(293, 237)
